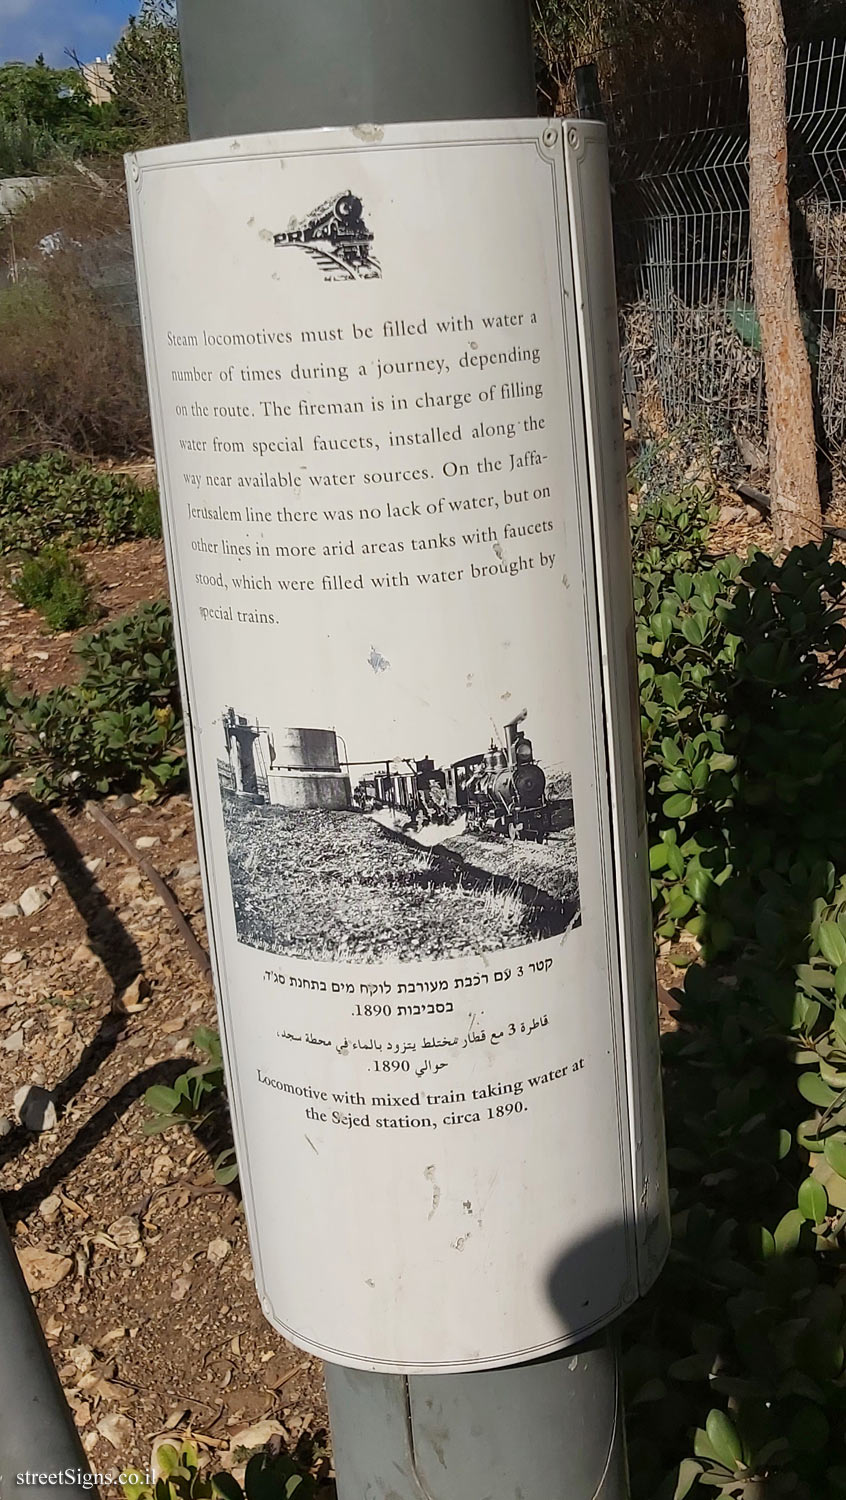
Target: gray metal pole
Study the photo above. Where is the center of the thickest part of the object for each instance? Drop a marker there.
(550, 1430)
(288, 64)
(37, 1432)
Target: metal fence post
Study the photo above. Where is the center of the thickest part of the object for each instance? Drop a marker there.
(37, 1432)
(551, 1428)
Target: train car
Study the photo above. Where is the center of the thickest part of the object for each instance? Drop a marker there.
(418, 791)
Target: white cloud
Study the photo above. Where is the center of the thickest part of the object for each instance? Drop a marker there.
(12, 10)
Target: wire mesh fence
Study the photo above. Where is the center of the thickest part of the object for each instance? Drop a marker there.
(691, 339)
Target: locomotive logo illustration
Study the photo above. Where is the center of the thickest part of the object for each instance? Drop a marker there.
(336, 236)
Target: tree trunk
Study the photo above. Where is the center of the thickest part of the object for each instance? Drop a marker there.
(794, 485)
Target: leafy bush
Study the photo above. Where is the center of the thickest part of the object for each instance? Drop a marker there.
(147, 73)
(268, 1477)
(55, 584)
(54, 102)
(119, 727)
(740, 1349)
(670, 531)
(25, 147)
(55, 499)
(735, 1365)
(742, 711)
(193, 1093)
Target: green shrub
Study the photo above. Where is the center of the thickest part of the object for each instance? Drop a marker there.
(268, 1477)
(670, 531)
(56, 499)
(742, 712)
(120, 727)
(735, 1362)
(25, 147)
(55, 584)
(194, 1092)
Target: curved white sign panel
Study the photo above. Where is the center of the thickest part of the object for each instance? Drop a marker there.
(382, 375)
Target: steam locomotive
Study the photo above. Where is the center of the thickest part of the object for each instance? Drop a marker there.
(501, 791)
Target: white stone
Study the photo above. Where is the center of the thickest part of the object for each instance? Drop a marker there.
(8, 910)
(125, 1231)
(35, 1108)
(147, 841)
(41, 1268)
(117, 1430)
(13, 1042)
(33, 899)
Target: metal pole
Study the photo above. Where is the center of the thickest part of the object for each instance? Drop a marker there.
(37, 1432)
(549, 1430)
(285, 64)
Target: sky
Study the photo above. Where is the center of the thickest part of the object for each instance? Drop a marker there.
(88, 28)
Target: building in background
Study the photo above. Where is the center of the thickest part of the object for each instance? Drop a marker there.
(98, 78)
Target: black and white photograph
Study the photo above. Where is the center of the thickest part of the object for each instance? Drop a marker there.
(401, 859)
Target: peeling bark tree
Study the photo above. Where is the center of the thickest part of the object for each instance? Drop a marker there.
(794, 485)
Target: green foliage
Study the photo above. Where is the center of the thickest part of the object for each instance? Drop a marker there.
(56, 98)
(226, 1167)
(669, 532)
(267, 1477)
(739, 1351)
(147, 76)
(24, 148)
(180, 1479)
(118, 728)
(735, 1366)
(50, 111)
(742, 712)
(54, 498)
(193, 1094)
(54, 583)
(684, 656)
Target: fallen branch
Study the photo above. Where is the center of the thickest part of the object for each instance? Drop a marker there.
(197, 952)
